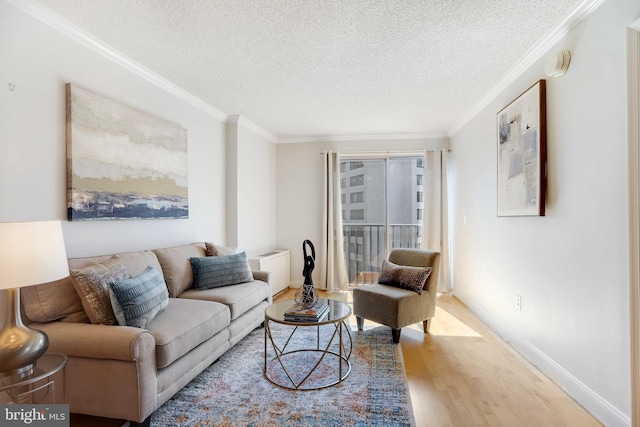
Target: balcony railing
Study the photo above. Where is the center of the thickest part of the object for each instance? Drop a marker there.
(365, 246)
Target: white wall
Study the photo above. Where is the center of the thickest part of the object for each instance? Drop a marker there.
(252, 189)
(39, 60)
(571, 266)
(299, 190)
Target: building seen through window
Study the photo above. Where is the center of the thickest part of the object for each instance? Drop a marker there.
(383, 205)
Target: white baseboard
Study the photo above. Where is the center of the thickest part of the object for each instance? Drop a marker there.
(587, 398)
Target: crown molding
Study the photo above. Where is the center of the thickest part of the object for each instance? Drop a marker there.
(378, 137)
(67, 28)
(541, 48)
(57, 22)
(248, 124)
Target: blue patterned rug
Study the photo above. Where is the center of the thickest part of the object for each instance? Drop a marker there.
(233, 391)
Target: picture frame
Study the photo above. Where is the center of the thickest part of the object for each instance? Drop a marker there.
(123, 163)
(522, 154)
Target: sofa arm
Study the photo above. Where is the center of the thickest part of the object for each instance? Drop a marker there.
(111, 370)
(98, 341)
(265, 276)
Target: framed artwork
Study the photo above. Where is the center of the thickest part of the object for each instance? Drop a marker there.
(522, 154)
(122, 163)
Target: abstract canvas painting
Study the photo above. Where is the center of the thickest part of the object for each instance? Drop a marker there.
(522, 148)
(122, 163)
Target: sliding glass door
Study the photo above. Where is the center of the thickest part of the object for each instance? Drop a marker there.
(382, 208)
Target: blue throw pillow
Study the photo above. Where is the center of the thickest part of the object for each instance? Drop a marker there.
(137, 301)
(224, 270)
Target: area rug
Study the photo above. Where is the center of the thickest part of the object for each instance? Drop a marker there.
(234, 392)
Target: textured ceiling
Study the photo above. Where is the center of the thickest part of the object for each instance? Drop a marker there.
(327, 68)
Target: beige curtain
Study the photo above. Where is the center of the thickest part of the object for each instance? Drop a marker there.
(333, 272)
(435, 219)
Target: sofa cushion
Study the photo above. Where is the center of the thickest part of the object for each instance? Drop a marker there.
(405, 277)
(176, 266)
(92, 284)
(135, 262)
(239, 298)
(136, 301)
(53, 301)
(224, 270)
(185, 324)
(48, 302)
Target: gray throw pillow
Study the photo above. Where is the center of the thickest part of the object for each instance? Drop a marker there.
(223, 270)
(137, 301)
(405, 277)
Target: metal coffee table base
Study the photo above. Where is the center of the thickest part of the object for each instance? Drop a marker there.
(285, 358)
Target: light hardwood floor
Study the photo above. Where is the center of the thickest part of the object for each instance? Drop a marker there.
(462, 374)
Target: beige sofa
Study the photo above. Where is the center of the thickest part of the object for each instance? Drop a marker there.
(125, 372)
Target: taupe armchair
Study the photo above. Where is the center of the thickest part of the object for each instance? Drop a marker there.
(396, 307)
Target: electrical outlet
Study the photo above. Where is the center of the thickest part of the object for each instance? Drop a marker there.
(518, 302)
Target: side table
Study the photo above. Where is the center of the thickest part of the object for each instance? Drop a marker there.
(38, 386)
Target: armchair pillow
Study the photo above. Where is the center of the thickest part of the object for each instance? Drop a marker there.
(405, 277)
(222, 270)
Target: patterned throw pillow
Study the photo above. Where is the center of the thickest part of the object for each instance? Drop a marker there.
(137, 301)
(92, 284)
(405, 277)
(222, 270)
(217, 250)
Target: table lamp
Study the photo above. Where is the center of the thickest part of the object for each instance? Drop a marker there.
(30, 253)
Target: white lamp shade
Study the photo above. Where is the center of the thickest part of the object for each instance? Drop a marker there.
(31, 253)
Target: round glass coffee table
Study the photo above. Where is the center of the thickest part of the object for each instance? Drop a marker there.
(307, 355)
